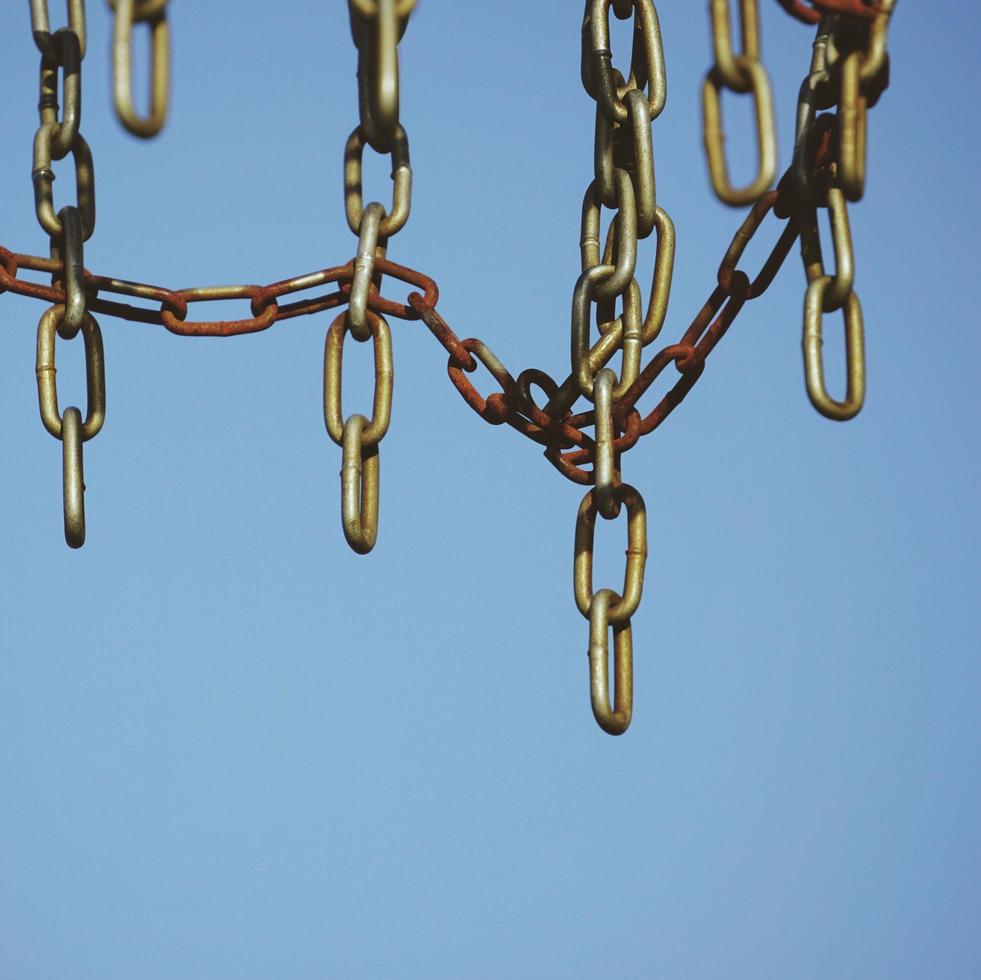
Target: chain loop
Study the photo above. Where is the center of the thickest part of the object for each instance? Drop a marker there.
(73, 479)
(623, 232)
(74, 271)
(95, 374)
(814, 306)
(128, 14)
(613, 719)
(373, 431)
(607, 502)
(633, 579)
(359, 487)
(376, 36)
(364, 270)
(836, 295)
(64, 54)
(401, 183)
(647, 60)
(730, 67)
(766, 146)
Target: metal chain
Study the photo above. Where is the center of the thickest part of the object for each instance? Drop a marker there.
(849, 71)
(742, 73)
(376, 27)
(129, 13)
(57, 136)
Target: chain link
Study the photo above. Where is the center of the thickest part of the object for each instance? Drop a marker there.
(57, 137)
(129, 13)
(849, 71)
(744, 74)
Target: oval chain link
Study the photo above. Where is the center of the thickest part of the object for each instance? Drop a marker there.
(129, 13)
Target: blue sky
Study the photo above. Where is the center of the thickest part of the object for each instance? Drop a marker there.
(229, 747)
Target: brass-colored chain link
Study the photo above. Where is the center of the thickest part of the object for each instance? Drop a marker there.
(129, 13)
(849, 71)
(742, 73)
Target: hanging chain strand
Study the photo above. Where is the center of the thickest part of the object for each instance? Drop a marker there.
(57, 137)
(376, 28)
(848, 73)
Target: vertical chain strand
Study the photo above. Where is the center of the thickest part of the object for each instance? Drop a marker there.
(68, 229)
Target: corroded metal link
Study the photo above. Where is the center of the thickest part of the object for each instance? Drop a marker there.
(766, 146)
(442, 331)
(397, 216)
(41, 26)
(633, 577)
(613, 718)
(801, 11)
(359, 487)
(863, 9)
(647, 61)
(747, 230)
(496, 407)
(95, 374)
(174, 303)
(128, 14)
(373, 431)
(814, 306)
(173, 319)
(689, 355)
(73, 477)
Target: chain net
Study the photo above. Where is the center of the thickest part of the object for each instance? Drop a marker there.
(587, 421)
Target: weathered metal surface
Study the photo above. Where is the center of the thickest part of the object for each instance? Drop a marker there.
(587, 421)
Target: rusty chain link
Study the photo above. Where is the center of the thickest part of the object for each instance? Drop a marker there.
(849, 71)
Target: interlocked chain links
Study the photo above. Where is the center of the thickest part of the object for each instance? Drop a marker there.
(848, 73)
(58, 136)
(129, 13)
(743, 73)
(627, 102)
(377, 27)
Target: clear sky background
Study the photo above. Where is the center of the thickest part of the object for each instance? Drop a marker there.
(230, 748)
